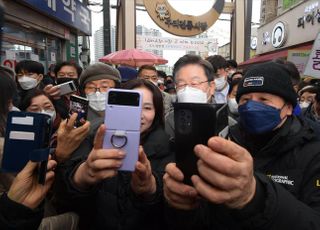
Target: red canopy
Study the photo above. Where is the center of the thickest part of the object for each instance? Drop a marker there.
(133, 57)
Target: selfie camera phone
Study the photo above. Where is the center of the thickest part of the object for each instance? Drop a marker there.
(67, 87)
(79, 105)
(123, 120)
(196, 123)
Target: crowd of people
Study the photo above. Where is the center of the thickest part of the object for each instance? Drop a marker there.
(264, 175)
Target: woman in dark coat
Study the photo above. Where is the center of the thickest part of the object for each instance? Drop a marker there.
(110, 199)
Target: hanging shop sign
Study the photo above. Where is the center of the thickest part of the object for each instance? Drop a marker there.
(299, 58)
(253, 43)
(170, 20)
(71, 12)
(279, 35)
(313, 65)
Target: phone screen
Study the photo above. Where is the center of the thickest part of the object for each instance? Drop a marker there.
(79, 105)
(123, 98)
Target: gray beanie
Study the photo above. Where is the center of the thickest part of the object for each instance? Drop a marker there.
(99, 71)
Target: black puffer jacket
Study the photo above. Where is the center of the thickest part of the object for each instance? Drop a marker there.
(16, 216)
(287, 171)
(112, 204)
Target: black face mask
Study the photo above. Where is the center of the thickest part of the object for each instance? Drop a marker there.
(168, 81)
(66, 79)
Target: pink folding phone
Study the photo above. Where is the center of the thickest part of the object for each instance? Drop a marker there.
(123, 119)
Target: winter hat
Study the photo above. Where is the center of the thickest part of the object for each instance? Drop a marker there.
(99, 71)
(269, 77)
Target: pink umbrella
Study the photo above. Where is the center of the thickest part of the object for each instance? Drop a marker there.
(133, 57)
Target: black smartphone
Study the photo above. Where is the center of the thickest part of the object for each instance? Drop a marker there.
(196, 123)
(79, 105)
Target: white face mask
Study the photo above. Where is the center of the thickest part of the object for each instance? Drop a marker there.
(154, 82)
(27, 83)
(13, 108)
(97, 101)
(192, 95)
(233, 106)
(304, 104)
(173, 98)
(51, 113)
(220, 82)
(159, 82)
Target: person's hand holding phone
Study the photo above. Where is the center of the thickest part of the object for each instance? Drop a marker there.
(225, 173)
(25, 188)
(178, 194)
(52, 91)
(100, 164)
(69, 138)
(142, 181)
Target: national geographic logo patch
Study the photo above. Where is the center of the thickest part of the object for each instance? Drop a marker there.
(281, 179)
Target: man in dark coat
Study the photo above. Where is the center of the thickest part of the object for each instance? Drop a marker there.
(266, 177)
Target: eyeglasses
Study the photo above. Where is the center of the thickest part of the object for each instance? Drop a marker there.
(194, 84)
(92, 89)
(69, 74)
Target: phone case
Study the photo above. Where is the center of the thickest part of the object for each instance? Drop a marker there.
(195, 123)
(123, 129)
(27, 138)
(79, 105)
(67, 87)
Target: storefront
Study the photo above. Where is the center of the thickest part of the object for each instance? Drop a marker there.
(289, 36)
(44, 31)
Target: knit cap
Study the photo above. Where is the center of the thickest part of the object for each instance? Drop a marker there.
(99, 71)
(269, 77)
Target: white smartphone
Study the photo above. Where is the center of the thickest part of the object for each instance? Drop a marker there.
(67, 87)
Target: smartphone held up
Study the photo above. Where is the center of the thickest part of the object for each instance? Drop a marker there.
(27, 138)
(122, 118)
(79, 105)
(67, 88)
(196, 123)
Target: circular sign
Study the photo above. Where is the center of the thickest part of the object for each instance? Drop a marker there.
(279, 35)
(170, 20)
(253, 43)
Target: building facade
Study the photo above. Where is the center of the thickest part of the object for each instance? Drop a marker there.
(142, 30)
(44, 31)
(98, 42)
(290, 34)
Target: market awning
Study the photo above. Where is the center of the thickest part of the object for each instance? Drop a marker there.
(273, 55)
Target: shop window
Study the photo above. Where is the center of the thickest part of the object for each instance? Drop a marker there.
(20, 43)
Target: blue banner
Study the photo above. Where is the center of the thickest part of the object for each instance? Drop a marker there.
(71, 12)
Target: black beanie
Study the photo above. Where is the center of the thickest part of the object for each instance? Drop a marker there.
(269, 77)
